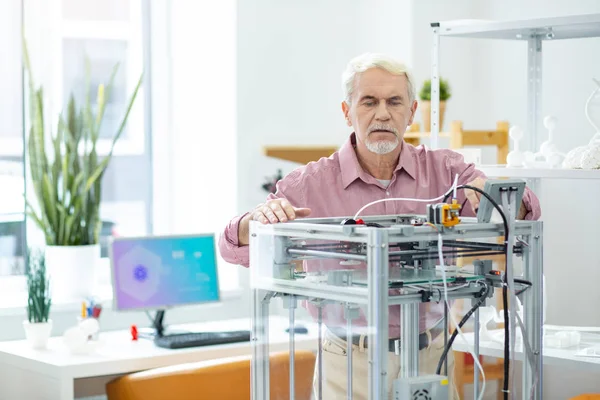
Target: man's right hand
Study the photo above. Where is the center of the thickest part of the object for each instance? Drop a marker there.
(271, 212)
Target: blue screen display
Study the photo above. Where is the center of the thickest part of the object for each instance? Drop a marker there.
(157, 272)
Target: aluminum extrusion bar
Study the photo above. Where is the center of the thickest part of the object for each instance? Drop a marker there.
(260, 344)
(328, 254)
(409, 340)
(378, 313)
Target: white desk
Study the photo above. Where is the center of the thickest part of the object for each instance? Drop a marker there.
(564, 358)
(54, 374)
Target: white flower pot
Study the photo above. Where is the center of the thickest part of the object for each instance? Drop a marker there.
(72, 271)
(37, 334)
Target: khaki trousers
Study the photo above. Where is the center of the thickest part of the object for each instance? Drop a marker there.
(334, 366)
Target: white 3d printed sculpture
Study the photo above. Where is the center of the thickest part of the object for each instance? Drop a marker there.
(587, 157)
(547, 157)
(516, 157)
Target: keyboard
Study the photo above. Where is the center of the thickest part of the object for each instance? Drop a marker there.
(196, 339)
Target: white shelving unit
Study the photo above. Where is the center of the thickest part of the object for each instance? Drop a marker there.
(498, 171)
(535, 32)
(566, 196)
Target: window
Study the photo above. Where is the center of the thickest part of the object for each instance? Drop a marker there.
(12, 226)
(61, 36)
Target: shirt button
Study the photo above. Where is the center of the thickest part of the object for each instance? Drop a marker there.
(388, 193)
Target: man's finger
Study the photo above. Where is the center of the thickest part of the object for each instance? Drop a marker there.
(302, 212)
(289, 209)
(260, 217)
(269, 214)
(279, 213)
(473, 199)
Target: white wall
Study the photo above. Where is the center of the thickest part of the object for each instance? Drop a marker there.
(290, 59)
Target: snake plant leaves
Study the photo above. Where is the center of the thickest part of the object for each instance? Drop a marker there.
(67, 176)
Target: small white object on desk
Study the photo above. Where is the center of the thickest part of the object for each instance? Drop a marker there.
(77, 338)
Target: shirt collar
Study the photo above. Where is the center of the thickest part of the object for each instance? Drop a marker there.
(351, 169)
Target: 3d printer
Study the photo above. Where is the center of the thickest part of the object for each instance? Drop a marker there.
(374, 262)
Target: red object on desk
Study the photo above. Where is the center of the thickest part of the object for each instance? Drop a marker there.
(96, 311)
(134, 332)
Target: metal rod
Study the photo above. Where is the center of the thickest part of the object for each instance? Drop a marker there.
(534, 91)
(446, 337)
(320, 350)
(349, 352)
(378, 312)
(476, 348)
(328, 254)
(409, 340)
(259, 370)
(533, 315)
(435, 90)
(292, 307)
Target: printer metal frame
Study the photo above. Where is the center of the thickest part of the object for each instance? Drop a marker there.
(274, 247)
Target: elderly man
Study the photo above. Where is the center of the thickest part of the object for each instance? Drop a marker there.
(375, 163)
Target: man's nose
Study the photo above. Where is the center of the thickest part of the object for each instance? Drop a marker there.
(382, 113)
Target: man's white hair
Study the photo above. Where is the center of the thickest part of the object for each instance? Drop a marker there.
(375, 60)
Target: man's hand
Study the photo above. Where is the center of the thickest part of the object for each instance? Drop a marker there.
(475, 197)
(271, 212)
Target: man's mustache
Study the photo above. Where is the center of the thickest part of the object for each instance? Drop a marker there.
(382, 127)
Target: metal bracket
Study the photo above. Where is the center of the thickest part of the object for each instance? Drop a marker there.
(341, 277)
(351, 311)
(289, 301)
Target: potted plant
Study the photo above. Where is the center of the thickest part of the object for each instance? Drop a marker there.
(66, 172)
(38, 326)
(425, 104)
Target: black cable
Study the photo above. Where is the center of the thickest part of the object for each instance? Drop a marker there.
(464, 320)
(504, 283)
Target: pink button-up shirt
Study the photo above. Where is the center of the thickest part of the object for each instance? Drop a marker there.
(338, 186)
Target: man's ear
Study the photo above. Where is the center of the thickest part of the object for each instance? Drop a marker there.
(413, 111)
(346, 111)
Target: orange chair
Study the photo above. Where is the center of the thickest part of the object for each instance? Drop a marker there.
(227, 378)
(588, 396)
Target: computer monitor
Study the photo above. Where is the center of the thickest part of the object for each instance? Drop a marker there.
(161, 272)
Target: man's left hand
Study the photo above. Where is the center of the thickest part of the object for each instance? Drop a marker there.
(475, 197)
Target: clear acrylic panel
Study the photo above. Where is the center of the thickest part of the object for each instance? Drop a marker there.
(376, 296)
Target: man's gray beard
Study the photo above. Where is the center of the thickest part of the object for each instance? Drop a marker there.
(382, 146)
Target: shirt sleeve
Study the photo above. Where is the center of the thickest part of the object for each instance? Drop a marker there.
(467, 173)
(288, 188)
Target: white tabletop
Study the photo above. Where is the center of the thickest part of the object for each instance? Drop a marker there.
(552, 356)
(118, 354)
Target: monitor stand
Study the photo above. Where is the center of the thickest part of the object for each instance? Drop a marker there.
(159, 329)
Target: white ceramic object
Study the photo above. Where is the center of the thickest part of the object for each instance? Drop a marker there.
(549, 147)
(77, 338)
(573, 158)
(37, 334)
(515, 158)
(590, 159)
(555, 160)
(72, 271)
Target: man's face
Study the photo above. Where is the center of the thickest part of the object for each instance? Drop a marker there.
(380, 109)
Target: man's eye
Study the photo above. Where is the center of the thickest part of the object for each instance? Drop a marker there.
(369, 103)
(395, 103)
